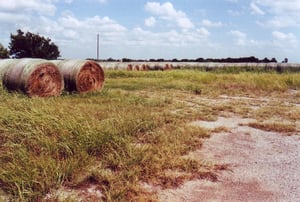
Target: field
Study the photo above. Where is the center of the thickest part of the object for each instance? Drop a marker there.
(134, 138)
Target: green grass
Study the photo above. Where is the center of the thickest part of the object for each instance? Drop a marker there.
(134, 131)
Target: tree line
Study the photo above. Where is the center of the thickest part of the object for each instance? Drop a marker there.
(250, 59)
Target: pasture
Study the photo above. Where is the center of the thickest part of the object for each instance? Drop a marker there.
(133, 138)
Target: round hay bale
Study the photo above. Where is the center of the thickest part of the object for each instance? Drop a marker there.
(137, 67)
(158, 67)
(145, 67)
(34, 77)
(168, 67)
(129, 67)
(81, 75)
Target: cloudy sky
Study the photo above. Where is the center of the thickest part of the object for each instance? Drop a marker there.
(142, 29)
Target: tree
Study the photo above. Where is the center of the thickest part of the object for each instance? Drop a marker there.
(285, 60)
(3, 52)
(274, 60)
(32, 46)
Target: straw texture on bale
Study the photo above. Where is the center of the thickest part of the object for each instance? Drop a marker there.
(4, 65)
(34, 77)
(81, 75)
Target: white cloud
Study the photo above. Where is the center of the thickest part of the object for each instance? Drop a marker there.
(68, 1)
(170, 38)
(282, 21)
(208, 23)
(203, 32)
(285, 39)
(256, 10)
(166, 11)
(76, 37)
(280, 6)
(282, 13)
(6, 17)
(239, 37)
(150, 22)
(39, 6)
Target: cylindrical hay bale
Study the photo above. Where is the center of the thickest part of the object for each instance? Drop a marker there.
(145, 67)
(129, 67)
(137, 67)
(168, 67)
(34, 77)
(81, 75)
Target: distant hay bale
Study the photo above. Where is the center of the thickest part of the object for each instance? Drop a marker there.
(137, 68)
(34, 77)
(158, 67)
(145, 67)
(81, 75)
(129, 67)
(168, 67)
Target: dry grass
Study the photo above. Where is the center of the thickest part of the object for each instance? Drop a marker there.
(274, 127)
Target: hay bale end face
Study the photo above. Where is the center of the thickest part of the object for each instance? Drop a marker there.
(129, 67)
(34, 77)
(81, 75)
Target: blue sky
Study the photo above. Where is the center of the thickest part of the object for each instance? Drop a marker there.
(142, 29)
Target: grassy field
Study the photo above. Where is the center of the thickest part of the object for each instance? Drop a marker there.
(134, 132)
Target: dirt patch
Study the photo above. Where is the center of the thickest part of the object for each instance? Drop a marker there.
(89, 193)
(263, 166)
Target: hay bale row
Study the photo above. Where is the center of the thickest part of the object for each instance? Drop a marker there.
(149, 67)
(205, 66)
(43, 78)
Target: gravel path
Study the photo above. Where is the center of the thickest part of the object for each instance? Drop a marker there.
(263, 166)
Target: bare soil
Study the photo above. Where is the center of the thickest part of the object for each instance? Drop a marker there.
(262, 166)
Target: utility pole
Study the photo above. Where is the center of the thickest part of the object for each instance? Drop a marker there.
(97, 46)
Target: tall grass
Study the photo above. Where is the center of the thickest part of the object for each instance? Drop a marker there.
(117, 138)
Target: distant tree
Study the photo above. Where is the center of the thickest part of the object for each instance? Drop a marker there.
(32, 45)
(274, 60)
(126, 60)
(3, 52)
(285, 60)
(199, 60)
(111, 60)
(265, 60)
(185, 60)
